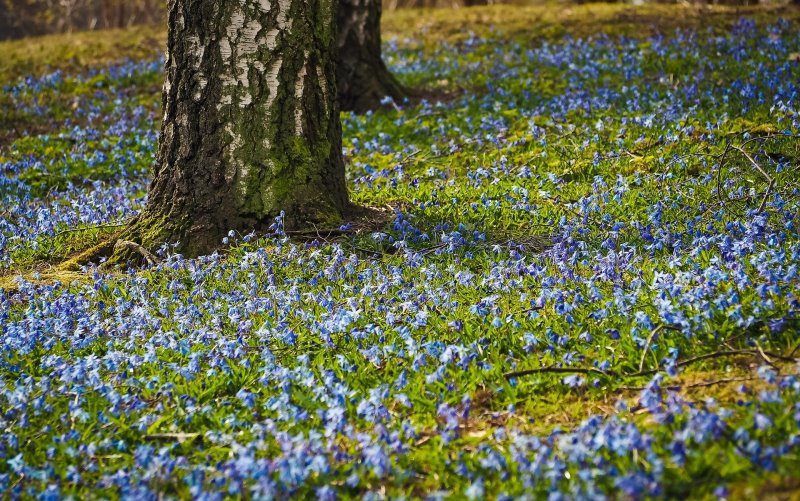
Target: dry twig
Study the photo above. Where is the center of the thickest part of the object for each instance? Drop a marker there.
(650, 340)
(769, 178)
(649, 372)
(178, 437)
(557, 370)
(700, 384)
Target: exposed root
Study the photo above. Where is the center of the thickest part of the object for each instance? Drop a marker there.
(146, 254)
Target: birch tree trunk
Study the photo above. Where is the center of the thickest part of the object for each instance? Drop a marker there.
(362, 77)
(251, 124)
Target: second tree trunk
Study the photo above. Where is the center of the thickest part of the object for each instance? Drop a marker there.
(362, 77)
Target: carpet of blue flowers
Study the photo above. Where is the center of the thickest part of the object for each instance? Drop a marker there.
(589, 289)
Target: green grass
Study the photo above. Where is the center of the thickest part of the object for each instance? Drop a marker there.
(478, 185)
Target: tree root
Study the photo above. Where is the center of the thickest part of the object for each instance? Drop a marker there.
(148, 256)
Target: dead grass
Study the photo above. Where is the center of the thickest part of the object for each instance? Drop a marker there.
(553, 21)
(10, 283)
(79, 51)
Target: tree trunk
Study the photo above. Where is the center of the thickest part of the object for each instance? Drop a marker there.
(251, 125)
(362, 77)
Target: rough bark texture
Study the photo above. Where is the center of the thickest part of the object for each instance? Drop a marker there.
(251, 124)
(362, 77)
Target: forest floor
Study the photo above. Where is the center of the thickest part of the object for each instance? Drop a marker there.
(589, 286)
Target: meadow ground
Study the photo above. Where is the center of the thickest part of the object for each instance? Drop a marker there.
(588, 287)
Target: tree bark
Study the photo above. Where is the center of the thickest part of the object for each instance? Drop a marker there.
(251, 124)
(362, 77)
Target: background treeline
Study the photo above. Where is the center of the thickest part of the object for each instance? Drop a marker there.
(21, 18)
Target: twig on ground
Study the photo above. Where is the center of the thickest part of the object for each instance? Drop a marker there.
(317, 232)
(794, 350)
(764, 173)
(557, 370)
(782, 358)
(764, 356)
(700, 384)
(146, 254)
(431, 249)
(650, 340)
(699, 358)
(527, 310)
(370, 251)
(704, 384)
(649, 372)
(179, 437)
(410, 156)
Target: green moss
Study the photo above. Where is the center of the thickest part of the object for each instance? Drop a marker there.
(10, 283)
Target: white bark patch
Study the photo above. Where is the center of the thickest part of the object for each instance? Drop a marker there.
(169, 132)
(234, 166)
(272, 38)
(323, 85)
(180, 22)
(237, 22)
(283, 13)
(299, 91)
(200, 86)
(196, 51)
(225, 50)
(246, 47)
(273, 83)
(183, 131)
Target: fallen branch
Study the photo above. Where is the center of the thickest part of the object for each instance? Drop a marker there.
(557, 370)
(700, 384)
(649, 372)
(527, 310)
(699, 358)
(180, 437)
(317, 232)
(151, 259)
(431, 249)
